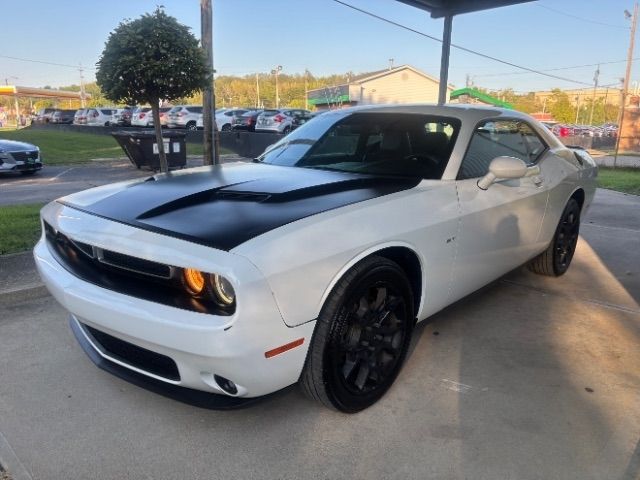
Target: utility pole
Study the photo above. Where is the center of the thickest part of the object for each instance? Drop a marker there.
(210, 137)
(627, 75)
(276, 71)
(82, 92)
(593, 97)
(306, 90)
(257, 91)
(577, 107)
(391, 64)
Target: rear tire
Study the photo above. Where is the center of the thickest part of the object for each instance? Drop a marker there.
(192, 126)
(555, 260)
(361, 337)
(286, 130)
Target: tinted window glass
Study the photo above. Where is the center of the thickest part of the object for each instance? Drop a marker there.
(195, 109)
(497, 138)
(374, 143)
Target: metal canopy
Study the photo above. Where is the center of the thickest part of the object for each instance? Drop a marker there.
(447, 9)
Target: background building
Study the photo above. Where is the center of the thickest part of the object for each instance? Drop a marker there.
(403, 84)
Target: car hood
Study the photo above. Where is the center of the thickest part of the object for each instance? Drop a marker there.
(13, 146)
(224, 206)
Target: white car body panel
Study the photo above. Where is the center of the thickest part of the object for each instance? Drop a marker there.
(298, 251)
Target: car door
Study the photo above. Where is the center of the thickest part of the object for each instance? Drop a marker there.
(499, 226)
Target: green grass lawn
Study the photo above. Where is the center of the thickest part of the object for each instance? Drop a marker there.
(19, 227)
(66, 148)
(626, 180)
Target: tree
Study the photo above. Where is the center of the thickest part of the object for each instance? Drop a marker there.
(150, 59)
(561, 108)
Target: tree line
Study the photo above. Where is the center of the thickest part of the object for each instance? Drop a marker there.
(242, 91)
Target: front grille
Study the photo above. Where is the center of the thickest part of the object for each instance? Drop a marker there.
(137, 357)
(24, 156)
(134, 264)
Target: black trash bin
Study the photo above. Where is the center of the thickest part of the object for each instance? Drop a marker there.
(142, 149)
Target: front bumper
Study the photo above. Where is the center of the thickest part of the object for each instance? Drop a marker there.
(202, 346)
(19, 166)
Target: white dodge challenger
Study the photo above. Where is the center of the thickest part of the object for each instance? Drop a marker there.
(313, 263)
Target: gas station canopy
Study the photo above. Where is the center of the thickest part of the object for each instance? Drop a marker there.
(448, 8)
(14, 91)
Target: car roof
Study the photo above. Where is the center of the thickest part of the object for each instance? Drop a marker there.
(467, 112)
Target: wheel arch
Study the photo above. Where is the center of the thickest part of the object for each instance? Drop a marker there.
(579, 196)
(404, 254)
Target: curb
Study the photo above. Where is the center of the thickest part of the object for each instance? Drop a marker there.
(24, 293)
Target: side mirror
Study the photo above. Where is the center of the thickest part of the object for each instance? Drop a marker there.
(503, 167)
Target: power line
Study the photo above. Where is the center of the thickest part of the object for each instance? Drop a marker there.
(582, 19)
(459, 47)
(43, 62)
(551, 69)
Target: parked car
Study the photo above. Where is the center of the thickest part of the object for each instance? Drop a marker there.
(184, 116)
(314, 262)
(118, 116)
(100, 116)
(63, 116)
(278, 121)
(226, 119)
(246, 121)
(80, 117)
(164, 111)
(142, 117)
(19, 157)
(43, 116)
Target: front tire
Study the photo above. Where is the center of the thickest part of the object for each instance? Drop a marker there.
(361, 337)
(192, 126)
(555, 260)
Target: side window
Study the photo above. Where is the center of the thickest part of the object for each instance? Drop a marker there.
(496, 138)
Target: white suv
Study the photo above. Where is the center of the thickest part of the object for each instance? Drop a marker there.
(100, 116)
(184, 116)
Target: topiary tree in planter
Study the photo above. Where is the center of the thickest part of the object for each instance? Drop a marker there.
(150, 59)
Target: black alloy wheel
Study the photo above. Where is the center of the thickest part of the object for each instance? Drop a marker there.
(556, 259)
(192, 126)
(361, 338)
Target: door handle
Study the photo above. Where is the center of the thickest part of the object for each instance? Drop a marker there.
(538, 180)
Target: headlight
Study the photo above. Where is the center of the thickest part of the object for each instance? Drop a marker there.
(223, 290)
(214, 286)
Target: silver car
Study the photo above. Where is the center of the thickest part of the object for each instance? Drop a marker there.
(184, 116)
(279, 121)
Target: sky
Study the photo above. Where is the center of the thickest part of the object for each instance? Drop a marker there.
(326, 37)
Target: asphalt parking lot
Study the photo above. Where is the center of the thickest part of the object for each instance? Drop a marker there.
(56, 181)
(531, 378)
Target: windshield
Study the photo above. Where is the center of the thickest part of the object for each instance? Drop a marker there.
(398, 144)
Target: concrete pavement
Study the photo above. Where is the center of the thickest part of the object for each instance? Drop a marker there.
(530, 378)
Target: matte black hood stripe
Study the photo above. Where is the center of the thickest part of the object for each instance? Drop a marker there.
(224, 206)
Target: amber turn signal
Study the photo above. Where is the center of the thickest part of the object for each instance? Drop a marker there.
(194, 280)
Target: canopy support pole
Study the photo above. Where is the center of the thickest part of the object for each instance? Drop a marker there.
(444, 60)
